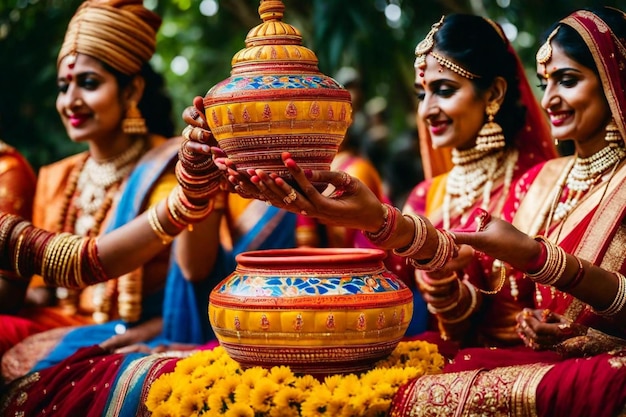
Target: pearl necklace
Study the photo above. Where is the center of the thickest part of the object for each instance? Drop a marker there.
(94, 181)
(473, 176)
(585, 173)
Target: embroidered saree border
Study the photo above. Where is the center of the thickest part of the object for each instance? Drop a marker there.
(510, 390)
(541, 190)
(605, 220)
(131, 379)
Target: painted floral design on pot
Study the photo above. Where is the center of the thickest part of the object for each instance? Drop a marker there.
(320, 311)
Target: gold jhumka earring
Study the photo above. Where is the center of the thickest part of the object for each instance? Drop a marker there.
(612, 133)
(491, 135)
(134, 123)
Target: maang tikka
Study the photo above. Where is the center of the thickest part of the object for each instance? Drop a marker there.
(426, 45)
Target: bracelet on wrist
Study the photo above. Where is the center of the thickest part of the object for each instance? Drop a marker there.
(577, 279)
(620, 298)
(446, 249)
(470, 309)
(554, 265)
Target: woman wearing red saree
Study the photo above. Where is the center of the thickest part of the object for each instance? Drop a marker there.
(579, 204)
(578, 263)
(466, 76)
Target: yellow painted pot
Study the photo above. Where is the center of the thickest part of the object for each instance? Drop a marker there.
(276, 100)
(320, 311)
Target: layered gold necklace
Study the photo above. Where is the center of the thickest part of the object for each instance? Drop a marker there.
(585, 173)
(472, 178)
(89, 196)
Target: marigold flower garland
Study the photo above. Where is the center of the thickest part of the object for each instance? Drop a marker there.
(210, 383)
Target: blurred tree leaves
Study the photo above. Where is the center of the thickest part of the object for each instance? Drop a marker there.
(341, 32)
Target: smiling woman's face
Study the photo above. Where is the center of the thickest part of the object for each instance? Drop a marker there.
(574, 100)
(449, 105)
(88, 100)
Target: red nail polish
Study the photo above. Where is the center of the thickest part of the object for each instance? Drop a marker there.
(308, 173)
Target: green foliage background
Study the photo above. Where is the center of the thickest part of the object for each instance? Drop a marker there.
(341, 32)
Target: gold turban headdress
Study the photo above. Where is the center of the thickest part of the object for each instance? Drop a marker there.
(120, 33)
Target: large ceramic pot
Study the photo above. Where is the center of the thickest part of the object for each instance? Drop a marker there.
(320, 311)
(276, 100)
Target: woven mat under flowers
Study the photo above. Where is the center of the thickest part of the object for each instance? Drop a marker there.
(210, 383)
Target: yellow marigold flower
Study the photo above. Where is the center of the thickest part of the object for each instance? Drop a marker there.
(384, 391)
(165, 410)
(239, 410)
(242, 394)
(378, 408)
(289, 397)
(316, 403)
(348, 387)
(252, 375)
(160, 391)
(210, 383)
(284, 412)
(306, 382)
(225, 389)
(262, 394)
(334, 407)
(356, 406)
(191, 405)
(282, 375)
(332, 381)
(208, 379)
(216, 403)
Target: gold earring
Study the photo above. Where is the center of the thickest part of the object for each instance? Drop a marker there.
(612, 133)
(490, 136)
(134, 123)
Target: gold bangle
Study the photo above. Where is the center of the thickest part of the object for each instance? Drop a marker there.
(156, 226)
(470, 309)
(620, 298)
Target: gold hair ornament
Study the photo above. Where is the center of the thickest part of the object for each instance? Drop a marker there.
(426, 45)
(545, 52)
(444, 62)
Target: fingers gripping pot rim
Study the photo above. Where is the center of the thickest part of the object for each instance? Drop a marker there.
(277, 100)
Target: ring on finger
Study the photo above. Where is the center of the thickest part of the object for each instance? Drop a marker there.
(194, 113)
(187, 132)
(291, 197)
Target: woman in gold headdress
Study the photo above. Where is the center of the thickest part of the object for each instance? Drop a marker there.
(110, 99)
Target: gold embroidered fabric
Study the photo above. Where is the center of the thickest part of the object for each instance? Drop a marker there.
(500, 392)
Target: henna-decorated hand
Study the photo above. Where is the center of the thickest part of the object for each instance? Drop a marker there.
(545, 330)
(500, 240)
(346, 202)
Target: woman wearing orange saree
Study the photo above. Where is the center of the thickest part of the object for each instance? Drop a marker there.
(110, 99)
(17, 190)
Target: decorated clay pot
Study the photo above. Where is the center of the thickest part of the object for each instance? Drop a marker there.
(320, 311)
(276, 100)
